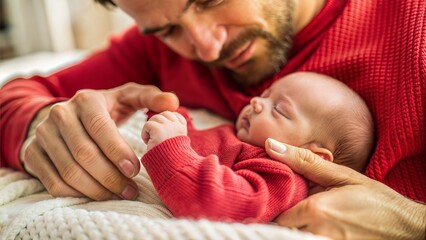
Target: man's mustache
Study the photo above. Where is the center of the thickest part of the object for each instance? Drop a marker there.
(246, 36)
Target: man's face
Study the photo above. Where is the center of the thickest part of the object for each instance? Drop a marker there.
(251, 38)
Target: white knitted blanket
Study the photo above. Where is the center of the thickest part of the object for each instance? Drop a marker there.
(27, 211)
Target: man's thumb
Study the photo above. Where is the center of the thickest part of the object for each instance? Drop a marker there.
(164, 101)
(145, 96)
(310, 165)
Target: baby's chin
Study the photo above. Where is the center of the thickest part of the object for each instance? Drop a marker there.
(243, 137)
(240, 134)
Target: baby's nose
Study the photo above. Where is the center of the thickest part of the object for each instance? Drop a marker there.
(256, 104)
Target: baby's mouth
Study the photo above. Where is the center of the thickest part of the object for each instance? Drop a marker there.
(245, 122)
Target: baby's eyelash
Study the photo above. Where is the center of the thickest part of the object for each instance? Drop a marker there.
(276, 108)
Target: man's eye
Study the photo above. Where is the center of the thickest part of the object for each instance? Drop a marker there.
(201, 5)
(213, 3)
(167, 32)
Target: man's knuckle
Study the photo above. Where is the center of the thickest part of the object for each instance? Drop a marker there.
(100, 195)
(41, 134)
(300, 157)
(97, 124)
(308, 156)
(304, 157)
(71, 173)
(82, 97)
(111, 180)
(83, 153)
(114, 151)
(40, 131)
(53, 187)
(131, 85)
(30, 151)
(58, 113)
(150, 88)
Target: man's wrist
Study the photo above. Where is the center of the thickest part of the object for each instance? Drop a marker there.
(416, 223)
(410, 219)
(402, 218)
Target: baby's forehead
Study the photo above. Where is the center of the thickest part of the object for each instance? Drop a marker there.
(289, 81)
(307, 90)
(304, 80)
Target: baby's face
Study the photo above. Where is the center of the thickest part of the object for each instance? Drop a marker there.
(287, 112)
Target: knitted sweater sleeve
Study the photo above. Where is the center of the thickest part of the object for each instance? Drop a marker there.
(22, 98)
(193, 186)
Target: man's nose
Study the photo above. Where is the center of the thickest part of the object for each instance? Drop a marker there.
(256, 104)
(205, 35)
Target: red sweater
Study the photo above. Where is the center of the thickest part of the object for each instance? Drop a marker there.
(376, 47)
(211, 174)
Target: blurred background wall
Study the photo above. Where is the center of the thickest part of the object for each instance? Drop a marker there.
(30, 26)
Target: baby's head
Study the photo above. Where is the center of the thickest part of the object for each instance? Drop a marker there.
(312, 111)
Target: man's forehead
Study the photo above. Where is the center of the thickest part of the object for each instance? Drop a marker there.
(166, 3)
(152, 13)
(158, 6)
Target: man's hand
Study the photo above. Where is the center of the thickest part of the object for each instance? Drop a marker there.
(352, 206)
(163, 126)
(77, 149)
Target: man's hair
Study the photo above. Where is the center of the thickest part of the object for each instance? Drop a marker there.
(106, 3)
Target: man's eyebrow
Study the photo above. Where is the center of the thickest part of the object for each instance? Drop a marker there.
(187, 5)
(152, 30)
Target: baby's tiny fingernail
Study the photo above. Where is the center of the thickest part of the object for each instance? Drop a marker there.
(276, 146)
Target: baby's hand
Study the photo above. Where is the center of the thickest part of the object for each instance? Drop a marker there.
(163, 126)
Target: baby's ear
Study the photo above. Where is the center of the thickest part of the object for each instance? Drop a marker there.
(320, 151)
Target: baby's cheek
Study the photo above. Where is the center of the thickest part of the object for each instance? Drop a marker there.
(259, 137)
(241, 134)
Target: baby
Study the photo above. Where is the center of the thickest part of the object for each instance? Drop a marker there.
(224, 173)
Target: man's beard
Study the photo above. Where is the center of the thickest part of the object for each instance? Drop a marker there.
(276, 55)
(278, 47)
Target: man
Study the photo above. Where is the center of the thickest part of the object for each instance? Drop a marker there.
(227, 51)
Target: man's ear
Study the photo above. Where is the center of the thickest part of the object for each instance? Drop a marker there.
(320, 151)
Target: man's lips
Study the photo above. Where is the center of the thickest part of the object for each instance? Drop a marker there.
(241, 56)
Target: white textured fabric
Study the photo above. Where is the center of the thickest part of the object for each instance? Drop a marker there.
(27, 211)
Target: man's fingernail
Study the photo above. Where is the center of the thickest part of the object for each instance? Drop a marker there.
(129, 192)
(127, 167)
(276, 146)
(115, 197)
